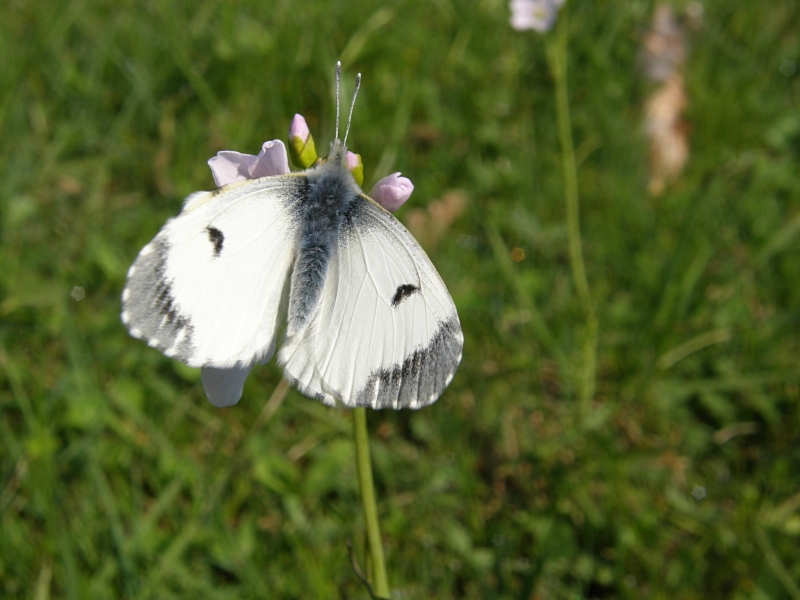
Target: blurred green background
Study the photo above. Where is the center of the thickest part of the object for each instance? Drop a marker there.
(119, 480)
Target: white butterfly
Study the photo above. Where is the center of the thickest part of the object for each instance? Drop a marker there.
(365, 318)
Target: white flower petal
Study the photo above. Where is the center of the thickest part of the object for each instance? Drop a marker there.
(223, 386)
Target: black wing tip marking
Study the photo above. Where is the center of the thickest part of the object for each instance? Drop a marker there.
(216, 238)
(149, 308)
(421, 378)
(403, 292)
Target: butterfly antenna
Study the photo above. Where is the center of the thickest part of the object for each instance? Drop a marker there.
(352, 104)
(338, 77)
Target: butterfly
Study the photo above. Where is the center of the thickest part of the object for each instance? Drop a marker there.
(307, 258)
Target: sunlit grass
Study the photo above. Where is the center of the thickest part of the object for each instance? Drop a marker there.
(119, 480)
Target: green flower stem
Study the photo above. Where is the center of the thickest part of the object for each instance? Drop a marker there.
(557, 58)
(364, 466)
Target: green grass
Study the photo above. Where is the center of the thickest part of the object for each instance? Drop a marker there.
(119, 480)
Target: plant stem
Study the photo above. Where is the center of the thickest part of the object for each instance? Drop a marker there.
(364, 466)
(557, 59)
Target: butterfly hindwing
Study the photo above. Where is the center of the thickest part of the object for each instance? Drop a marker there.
(385, 332)
(210, 288)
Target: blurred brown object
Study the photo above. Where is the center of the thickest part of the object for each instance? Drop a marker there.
(428, 225)
(667, 132)
(663, 59)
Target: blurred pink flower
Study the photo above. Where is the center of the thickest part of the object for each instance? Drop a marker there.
(392, 191)
(539, 15)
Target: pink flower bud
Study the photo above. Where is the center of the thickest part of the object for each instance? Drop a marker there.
(355, 166)
(353, 161)
(301, 143)
(392, 191)
(298, 128)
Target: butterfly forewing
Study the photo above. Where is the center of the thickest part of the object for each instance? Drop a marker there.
(210, 288)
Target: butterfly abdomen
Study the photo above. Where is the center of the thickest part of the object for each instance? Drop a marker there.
(331, 191)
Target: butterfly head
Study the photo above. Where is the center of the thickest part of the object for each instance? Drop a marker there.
(338, 153)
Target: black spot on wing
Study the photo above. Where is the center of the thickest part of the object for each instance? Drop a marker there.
(216, 238)
(403, 292)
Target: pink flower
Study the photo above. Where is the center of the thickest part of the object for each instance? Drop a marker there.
(392, 191)
(229, 166)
